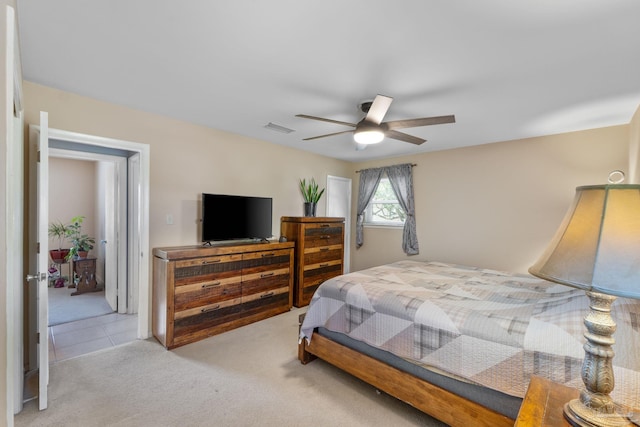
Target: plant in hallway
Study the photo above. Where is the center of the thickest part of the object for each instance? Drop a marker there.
(58, 230)
(81, 243)
(311, 195)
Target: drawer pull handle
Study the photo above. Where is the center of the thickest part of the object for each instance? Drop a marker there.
(210, 262)
(268, 255)
(325, 225)
(326, 237)
(324, 265)
(206, 310)
(270, 294)
(263, 275)
(324, 249)
(211, 285)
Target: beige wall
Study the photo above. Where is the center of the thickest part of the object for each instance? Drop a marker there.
(496, 205)
(72, 185)
(633, 176)
(188, 159)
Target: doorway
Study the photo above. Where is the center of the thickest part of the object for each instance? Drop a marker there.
(94, 186)
(78, 187)
(128, 222)
(136, 255)
(339, 205)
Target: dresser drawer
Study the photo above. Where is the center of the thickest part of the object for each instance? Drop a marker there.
(322, 254)
(264, 261)
(317, 273)
(276, 299)
(207, 269)
(319, 235)
(314, 275)
(205, 321)
(265, 281)
(209, 292)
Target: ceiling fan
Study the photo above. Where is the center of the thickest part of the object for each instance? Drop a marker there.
(372, 130)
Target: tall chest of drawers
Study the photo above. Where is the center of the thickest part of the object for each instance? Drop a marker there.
(202, 291)
(319, 252)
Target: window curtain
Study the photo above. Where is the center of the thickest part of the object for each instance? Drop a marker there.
(369, 180)
(401, 180)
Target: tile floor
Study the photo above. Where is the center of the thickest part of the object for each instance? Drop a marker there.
(74, 339)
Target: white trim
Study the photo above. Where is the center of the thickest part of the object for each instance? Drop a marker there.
(383, 225)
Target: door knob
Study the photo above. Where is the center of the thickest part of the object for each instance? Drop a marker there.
(37, 277)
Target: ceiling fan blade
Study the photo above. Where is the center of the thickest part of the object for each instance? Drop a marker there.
(425, 121)
(378, 109)
(304, 116)
(329, 134)
(404, 137)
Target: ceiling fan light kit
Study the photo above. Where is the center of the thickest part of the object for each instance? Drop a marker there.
(368, 136)
(371, 129)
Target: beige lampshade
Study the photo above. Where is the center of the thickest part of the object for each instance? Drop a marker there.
(597, 246)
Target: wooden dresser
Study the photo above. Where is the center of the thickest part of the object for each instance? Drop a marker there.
(199, 291)
(319, 252)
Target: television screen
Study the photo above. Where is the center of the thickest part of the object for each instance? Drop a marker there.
(226, 217)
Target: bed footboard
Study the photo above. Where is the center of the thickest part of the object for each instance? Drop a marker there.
(435, 401)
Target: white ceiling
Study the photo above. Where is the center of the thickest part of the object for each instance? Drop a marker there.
(506, 69)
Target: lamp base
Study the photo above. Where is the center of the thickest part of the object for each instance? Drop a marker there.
(580, 415)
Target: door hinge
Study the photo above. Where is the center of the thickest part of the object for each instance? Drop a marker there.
(38, 338)
(38, 156)
(38, 247)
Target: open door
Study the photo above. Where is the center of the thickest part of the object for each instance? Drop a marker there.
(39, 166)
(113, 177)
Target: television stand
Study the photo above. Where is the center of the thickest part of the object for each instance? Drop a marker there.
(200, 291)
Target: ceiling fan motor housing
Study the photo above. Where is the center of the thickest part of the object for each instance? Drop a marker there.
(365, 106)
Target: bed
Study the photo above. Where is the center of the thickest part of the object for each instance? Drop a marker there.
(460, 343)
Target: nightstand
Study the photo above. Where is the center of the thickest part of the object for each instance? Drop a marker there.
(543, 403)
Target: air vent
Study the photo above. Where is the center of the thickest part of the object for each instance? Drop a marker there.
(278, 128)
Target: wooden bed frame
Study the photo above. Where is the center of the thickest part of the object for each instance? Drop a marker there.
(435, 401)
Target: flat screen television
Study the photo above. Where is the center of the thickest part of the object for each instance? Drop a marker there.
(227, 217)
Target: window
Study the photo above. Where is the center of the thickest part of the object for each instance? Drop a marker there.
(384, 209)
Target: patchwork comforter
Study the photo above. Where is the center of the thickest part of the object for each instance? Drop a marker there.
(492, 328)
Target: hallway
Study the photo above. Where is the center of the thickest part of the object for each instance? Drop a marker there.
(74, 339)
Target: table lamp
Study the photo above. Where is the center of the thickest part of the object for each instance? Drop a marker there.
(597, 248)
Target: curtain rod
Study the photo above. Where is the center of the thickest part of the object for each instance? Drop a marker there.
(411, 164)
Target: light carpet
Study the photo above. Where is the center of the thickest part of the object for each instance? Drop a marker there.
(65, 308)
(246, 377)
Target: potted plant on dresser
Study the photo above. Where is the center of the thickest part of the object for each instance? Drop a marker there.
(58, 230)
(81, 243)
(311, 196)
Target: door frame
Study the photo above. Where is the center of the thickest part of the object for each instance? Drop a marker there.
(12, 220)
(138, 204)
